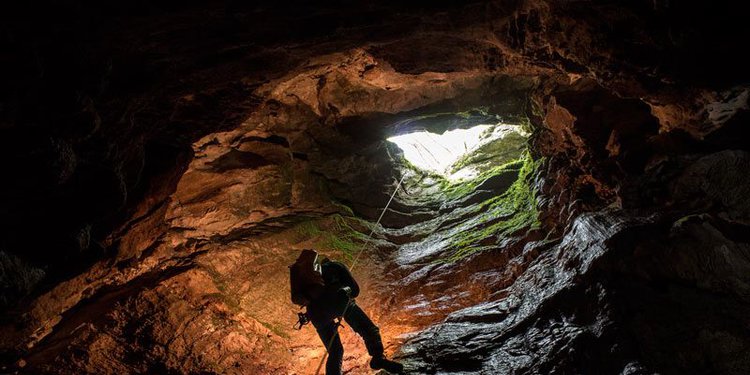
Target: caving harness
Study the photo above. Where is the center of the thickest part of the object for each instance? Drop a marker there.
(302, 320)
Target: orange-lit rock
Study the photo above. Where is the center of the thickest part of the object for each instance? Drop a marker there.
(165, 164)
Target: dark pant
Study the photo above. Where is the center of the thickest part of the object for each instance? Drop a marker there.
(360, 323)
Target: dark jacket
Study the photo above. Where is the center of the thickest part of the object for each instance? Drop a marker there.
(333, 302)
(336, 276)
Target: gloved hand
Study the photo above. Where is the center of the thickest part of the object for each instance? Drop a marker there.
(345, 292)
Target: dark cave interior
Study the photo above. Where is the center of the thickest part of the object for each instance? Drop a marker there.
(166, 161)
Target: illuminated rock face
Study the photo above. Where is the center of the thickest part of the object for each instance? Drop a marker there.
(166, 169)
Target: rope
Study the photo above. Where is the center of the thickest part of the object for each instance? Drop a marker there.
(372, 231)
(354, 263)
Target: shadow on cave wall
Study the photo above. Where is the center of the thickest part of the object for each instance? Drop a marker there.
(106, 107)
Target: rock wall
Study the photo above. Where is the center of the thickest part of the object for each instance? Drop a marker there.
(174, 157)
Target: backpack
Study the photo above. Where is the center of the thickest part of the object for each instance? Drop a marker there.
(305, 278)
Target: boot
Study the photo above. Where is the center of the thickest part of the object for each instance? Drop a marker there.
(382, 363)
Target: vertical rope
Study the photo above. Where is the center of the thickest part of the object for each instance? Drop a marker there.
(354, 263)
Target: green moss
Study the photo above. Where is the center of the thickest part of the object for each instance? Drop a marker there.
(307, 229)
(225, 293)
(331, 233)
(342, 236)
(503, 215)
(498, 152)
(276, 329)
(459, 189)
(218, 281)
(526, 124)
(512, 211)
(344, 244)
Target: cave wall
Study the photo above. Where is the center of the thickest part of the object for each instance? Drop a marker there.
(124, 127)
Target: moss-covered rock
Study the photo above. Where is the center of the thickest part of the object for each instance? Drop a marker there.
(503, 215)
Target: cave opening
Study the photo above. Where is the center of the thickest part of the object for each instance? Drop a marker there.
(462, 154)
(476, 178)
(254, 218)
(568, 197)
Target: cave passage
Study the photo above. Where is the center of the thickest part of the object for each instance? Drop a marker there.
(569, 183)
(472, 186)
(463, 192)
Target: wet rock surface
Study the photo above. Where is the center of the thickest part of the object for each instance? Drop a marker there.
(615, 291)
(166, 162)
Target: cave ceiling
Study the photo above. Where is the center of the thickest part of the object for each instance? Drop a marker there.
(164, 162)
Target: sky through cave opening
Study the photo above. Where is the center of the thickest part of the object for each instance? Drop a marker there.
(462, 154)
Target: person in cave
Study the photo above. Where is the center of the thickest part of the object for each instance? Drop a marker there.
(336, 301)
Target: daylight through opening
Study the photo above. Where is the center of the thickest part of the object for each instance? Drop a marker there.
(460, 154)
